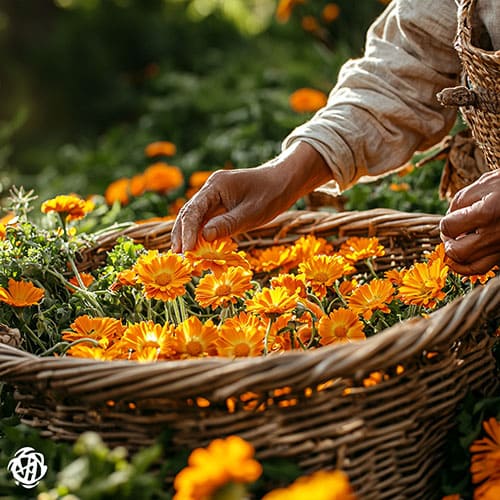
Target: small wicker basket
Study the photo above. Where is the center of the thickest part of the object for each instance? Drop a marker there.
(388, 437)
(479, 96)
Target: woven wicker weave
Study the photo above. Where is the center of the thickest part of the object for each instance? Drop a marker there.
(388, 437)
(479, 97)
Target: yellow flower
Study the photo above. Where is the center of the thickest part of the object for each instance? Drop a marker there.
(21, 293)
(195, 339)
(321, 271)
(70, 207)
(163, 275)
(102, 329)
(241, 336)
(485, 453)
(306, 100)
(226, 288)
(217, 256)
(341, 325)
(423, 283)
(357, 248)
(322, 485)
(272, 301)
(222, 462)
(160, 148)
(372, 296)
(161, 177)
(148, 340)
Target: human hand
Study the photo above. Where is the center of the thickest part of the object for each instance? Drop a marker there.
(238, 200)
(471, 228)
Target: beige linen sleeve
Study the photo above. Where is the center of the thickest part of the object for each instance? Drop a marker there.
(383, 107)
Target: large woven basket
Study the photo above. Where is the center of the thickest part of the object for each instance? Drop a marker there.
(479, 96)
(388, 437)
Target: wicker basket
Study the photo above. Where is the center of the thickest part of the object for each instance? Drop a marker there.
(388, 437)
(479, 97)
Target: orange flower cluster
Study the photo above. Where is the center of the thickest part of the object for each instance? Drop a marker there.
(217, 300)
(307, 100)
(70, 207)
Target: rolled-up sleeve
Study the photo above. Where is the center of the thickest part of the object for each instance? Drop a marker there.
(384, 107)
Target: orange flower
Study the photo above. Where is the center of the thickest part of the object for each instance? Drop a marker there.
(347, 287)
(223, 461)
(489, 490)
(3, 231)
(285, 8)
(160, 148)
(146, 336)
(395, 276)
(161, 177)
(21, 294)
(127, 277)
(137, 185)
(118, 191)
(341, 325)
(306, 100)
(481, 278)
(356, 248)
(198, 178)
(397, 187)
(408, 168)
(89, 352)
(217, 256)
(69, 206)
(309, 246)
(321, 271)
(271, 258)
(86, 279)
(331, 11)
(102, 329)
(437, 253)
(309, 23)
(241, 336)
(163, 275)
(196, 339)
(322, 485)
(272, 301)
(223, 289)
(372, 296)
(294, 283)
(485, 453)
(423, 283)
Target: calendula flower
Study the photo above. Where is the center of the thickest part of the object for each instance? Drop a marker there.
(145, 336)
(321, 271)
(118, 191)
(481, 278)
(272, 302)
(489, 490)
(86, 279)
(341, 325)
(294, 283)
(163, 275)
(241, 336)
(137, 185)
(3, 231)
(285, 8)
(102, 329)
(198, 178)
(69, 206)
(223, 289)
(161, 177)
(322, 485)
(372, 296)
(217, 255)
(423, 283)
(309, 246)
(309, 23)
(437, 253)
(331, 11)
(306, 100)
(165, 148)
(196, 339)
(395, 276)
(89, 352)
(127, 277)
(271, 258)
(224, 461)
(346, 287)
(356, 248)
(21, 293)
(485, 453)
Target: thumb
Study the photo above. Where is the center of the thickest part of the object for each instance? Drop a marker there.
(220, 226)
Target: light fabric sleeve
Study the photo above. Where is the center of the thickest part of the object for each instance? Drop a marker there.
(384, 107)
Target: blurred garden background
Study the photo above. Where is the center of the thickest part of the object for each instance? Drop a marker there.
(87, 85)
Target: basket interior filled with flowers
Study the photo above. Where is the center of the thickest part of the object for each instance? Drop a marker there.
(336, 340)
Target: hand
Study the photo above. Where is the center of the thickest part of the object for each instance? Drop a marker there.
(471, 228)
(233, 201)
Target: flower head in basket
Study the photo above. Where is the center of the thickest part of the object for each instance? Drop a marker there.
(341, 325)
(241, 336)
(21, 293)
(375, 295)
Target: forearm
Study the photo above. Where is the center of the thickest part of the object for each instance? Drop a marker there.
(383, 107)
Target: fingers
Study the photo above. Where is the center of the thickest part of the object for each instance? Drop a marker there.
(480, 266)
(475, 191)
